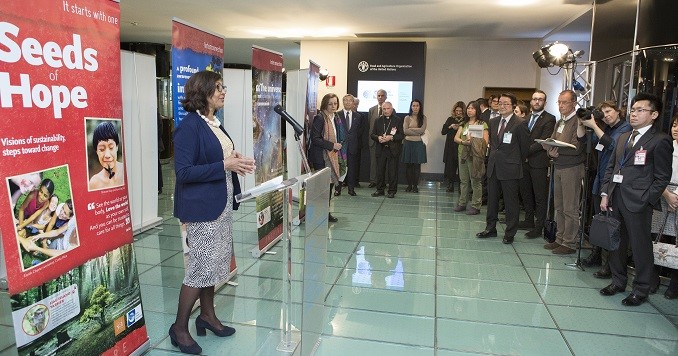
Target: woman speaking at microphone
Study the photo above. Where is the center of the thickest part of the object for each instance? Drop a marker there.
(206, 167)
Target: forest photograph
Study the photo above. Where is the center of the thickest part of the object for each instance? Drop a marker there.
(107, 289)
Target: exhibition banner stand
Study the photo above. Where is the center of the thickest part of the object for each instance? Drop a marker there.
(310, 110)
(193, 50)
(268, 150)
(67, 231)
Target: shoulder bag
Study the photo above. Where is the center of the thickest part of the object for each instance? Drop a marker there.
(665, 254)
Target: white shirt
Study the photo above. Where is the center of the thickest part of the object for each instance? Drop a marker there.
(641, 131)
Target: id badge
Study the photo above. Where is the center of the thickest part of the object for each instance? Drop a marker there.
(507, 137)
(560, 129)
(617, 178)
(393, 130)
(599, 147)
(639, 159)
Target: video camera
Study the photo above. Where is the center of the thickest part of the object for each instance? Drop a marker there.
(585, 113)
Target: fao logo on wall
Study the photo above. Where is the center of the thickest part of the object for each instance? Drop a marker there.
(363, 66)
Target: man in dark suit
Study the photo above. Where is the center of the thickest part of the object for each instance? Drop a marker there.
(388, 136)
(637, 173)
(534, 185)
(354, 128)
(373, 114)
(484, 110)
(508, 149)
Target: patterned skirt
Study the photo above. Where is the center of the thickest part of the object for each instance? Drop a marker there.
(211, 247)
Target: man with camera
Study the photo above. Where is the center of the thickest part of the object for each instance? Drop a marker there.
(615, 125)
(636, 175)
(569, 171)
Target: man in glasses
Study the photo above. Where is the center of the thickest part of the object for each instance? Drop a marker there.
(568, 175)
(508, 149)
(638, 172)
(534, 185)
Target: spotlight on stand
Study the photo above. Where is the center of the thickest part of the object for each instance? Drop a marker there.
(322, 75)
(555, 54)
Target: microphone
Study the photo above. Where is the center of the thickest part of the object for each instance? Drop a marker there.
(295, 125)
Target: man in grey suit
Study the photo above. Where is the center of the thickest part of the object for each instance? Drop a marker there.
(374, 113)
(636, 175)
(508, 149)
(534, 185)
(353, 122)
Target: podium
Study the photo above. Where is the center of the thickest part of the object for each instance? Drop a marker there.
(305, 336)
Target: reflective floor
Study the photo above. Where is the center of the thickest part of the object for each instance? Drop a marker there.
(408, 277)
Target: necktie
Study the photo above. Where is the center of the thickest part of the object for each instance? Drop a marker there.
(379, 111)
(502, 126)
(632, 141)
(532, 121)
(348, 119)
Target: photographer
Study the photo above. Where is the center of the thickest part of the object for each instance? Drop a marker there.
(615, 125)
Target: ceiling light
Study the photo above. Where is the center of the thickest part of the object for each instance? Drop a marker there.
(555, 54)
(302, 32)
(516, 3)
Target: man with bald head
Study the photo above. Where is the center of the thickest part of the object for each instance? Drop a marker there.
(374, 113)
(387, 135)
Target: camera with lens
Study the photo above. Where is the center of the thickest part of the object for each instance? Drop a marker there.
(585, 113)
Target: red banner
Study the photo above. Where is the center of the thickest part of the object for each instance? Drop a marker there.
(61, 137)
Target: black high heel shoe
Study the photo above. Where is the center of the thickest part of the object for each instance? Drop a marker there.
(193, 349)
(201, 325)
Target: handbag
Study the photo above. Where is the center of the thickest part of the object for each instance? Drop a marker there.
(605, 231)
(665, 254)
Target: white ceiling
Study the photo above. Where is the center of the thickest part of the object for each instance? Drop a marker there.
(260, 22)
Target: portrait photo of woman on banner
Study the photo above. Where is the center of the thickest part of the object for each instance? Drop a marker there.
(104, 153)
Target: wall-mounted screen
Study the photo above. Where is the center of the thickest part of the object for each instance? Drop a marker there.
(399, 93)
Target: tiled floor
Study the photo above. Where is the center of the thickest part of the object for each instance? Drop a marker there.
(459, 295)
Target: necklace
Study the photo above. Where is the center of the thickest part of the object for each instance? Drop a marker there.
(215, 122)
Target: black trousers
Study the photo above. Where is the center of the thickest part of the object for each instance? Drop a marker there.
(511, 191)
(534, 190)
(412, 173)
(353, 170)
(387, 166)
(636, 230)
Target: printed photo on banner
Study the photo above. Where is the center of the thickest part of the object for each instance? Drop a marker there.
(105, 165)
(86, 311)
(43, 213)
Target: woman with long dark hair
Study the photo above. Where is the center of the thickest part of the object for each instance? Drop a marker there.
(473, 143)
(414, 149)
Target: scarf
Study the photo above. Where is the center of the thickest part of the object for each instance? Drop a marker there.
(330, 134)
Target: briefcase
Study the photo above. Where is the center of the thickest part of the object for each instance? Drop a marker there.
(605, 231)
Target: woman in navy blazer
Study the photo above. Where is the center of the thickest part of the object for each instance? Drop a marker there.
(206, 167)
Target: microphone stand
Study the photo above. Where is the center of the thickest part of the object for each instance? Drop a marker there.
(585, 198)
(304, 160)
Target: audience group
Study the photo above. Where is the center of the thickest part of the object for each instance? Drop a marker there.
(510, 155)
